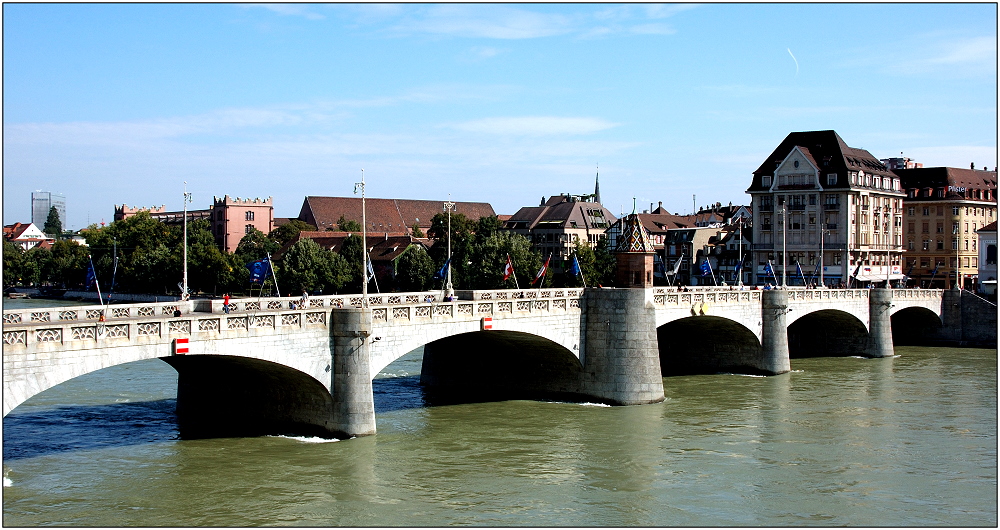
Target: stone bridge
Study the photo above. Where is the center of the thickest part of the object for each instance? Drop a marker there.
(268, 367)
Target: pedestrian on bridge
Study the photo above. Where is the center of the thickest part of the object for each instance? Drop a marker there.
(225, 303)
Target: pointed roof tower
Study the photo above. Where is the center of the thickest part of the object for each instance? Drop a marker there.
(597, 186)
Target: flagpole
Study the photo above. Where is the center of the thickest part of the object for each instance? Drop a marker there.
(582, 277)
(96, 283)
(273, 275)
(187, 199)
(513, 272)
(449, 206)
(364, 241)
(739, 269)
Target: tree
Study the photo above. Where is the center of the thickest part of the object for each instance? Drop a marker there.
(416, 231)
(307, 266)
(350, 250)
(53, 225)
(348, 225)
(66, 264)
(19, 266)
(488, 225)
(287, 232)
(489, 257)
(149, 253)
(254, 246)
(462, 239)
(604, 264)
(414, 269)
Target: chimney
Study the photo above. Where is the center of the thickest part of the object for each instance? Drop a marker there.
(972, 165)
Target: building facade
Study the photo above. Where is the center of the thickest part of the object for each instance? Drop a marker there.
(944, 208)
(26, 236)
(234, 218)
(42, 202)
(988, 260)
(230, 218)
(556, 224)
(384, 215)
(817, 199)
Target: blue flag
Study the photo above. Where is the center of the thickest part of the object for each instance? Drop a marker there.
(705, 268)
(259, 270)
(443, 273)
(91, 275)
(574, 267)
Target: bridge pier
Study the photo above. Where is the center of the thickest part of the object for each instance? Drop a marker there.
(774, 332)
(621, 361)
(880, 323)
(351, 385)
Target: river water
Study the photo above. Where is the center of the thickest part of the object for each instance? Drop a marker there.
(904, 441)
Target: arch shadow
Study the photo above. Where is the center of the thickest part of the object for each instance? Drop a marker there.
(484, 366)
(227, 396)
(915, 326)
(827, 333)
(706, 345)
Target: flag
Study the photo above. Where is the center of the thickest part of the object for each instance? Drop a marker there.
(371, 271)
(443, 273)
(739, 266)
(508, 269)
(259, 270)
(677, 265)
(574, 267)
(706, 268)
(91, 275)
(769, 270)
(933, 272)
(541, 272)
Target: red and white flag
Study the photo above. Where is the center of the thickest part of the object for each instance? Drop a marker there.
(541, 272)
(508, 269)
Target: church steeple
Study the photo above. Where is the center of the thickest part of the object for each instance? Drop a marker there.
(597, 186)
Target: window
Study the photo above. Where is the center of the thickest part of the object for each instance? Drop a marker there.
(954, 210)
(927, 244)
(966, 244)
(975, 262)
(940, 210)
(965, 262)
(924, 228)
(831, 179)
(766, 181)
(909, 245)
(910, 228)
(927, 211)
(812, 200)
(940, 228)
(940, 244)
(954, 244)
(910, 210)
(249, 216)
(247, 229)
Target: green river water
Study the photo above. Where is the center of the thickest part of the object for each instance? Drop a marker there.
(903, 441)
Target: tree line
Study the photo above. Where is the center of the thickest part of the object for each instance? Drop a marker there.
(142, 255)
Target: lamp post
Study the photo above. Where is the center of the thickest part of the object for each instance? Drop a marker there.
(784, 254)
(822, 235)
(184, 283)
(364, 241)
(448, 207)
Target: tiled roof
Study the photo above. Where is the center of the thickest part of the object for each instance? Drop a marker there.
(382, 247)
(386, 215)
(562, 212)
(942, 177)
(633, 238)
(830, 154)
(992, 227)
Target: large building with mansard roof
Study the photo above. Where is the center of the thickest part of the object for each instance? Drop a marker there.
(817, 198)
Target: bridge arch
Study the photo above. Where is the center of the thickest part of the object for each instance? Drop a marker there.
(707, 344)
(228, 395)
(827, 333)
(494, 365)
(914, 325)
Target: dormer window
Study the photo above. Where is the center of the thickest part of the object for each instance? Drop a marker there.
(796, 164)
(766, 181)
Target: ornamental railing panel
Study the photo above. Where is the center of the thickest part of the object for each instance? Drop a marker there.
(209, 324)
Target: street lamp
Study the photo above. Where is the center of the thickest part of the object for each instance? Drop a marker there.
(184, 286)
(448, 207)
(364, 241)
(784, 254)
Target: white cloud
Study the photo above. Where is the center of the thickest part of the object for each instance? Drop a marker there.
(965, 51)
(534, 125)
(299, 10)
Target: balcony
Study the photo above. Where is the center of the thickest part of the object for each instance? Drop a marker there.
(831, 226)
(763, 246)
(767, 207)
(796, 207)
(835, 206)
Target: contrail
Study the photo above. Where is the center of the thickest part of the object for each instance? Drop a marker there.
(796, 61)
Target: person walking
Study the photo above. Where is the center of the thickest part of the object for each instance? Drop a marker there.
(225, 303)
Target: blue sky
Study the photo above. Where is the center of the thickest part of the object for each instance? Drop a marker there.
(502, 103)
